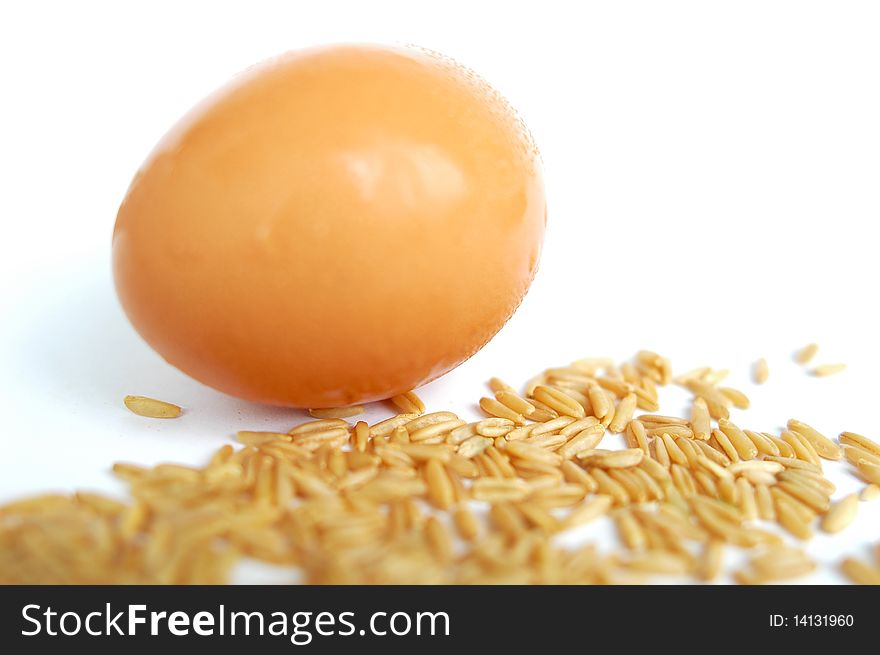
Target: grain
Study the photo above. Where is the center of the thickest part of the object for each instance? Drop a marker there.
(689, 449)
(553, 425)
(370, 504)
(764, 501)
(609, 486)
(599, 401)
(473, 446)
(809, 479)
(671, 430)
(715, 376)
(317, 438)
(653, 488)
(870, 472)
(660, 453)
(813, 497)
(853, 439)
(151, 408)
(639, 436)
(586, 439)
(465, 522)
(856, 456)
(508, 519)
(255, 438)
(361, 436)
(631, 533)
(706, 483)
(675, 453)
(634, 486)
(760, 371)
(724, 445)
(823, 446)
(437, 429)
(559, 401)
(494, 427)
(535, 453)
(781, 563)
(792, 463)
(577, 475)
(712, 454)
(762, 443)
(736, 397)
(499, 489)
(841, 514)
(575, 427)
(700, 420)
(408, 403)
(790, 520)
(337, 412)
(748, 503)
(654, 469)
(755, 465)
(711, 561)
(806, 354)
(425, 420)
(683, 480)
(493, 407)
(623, 413)
(655, 420)
(694, 374)
(802, 448)
(713, 467)
(558, 495)
(616, 458)
(386, 427)
(539, 517)
(549, 441)
(498, 385)
(515, 402)
(784, 449)
(658, 561)
(824, 370)
(860, 572)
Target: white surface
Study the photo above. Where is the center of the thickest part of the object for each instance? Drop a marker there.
(712, 172)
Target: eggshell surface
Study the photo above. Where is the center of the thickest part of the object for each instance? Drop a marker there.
(335, 226)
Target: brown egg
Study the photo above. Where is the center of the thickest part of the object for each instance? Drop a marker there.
(337, 225)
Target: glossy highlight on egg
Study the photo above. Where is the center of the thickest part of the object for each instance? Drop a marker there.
(337, 225)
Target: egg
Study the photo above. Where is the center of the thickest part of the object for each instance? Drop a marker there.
(337, 225)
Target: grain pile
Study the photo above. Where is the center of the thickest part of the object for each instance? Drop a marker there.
(401, 501)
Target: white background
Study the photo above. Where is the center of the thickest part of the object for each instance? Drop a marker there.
(712, 169)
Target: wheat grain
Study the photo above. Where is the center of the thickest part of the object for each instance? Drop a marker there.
(824, 370)
(499, 489)
(870, 472)
(760, 371)
(823, 446)
(559, 401)
(856, 456)
(841, 514)
(860, 572)
(586, 439)
(337, 412)
(806, 354)
(853, 439)
(256, 438)
(494, 427)
(623, 413)
(736, 397)
(151, 408)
